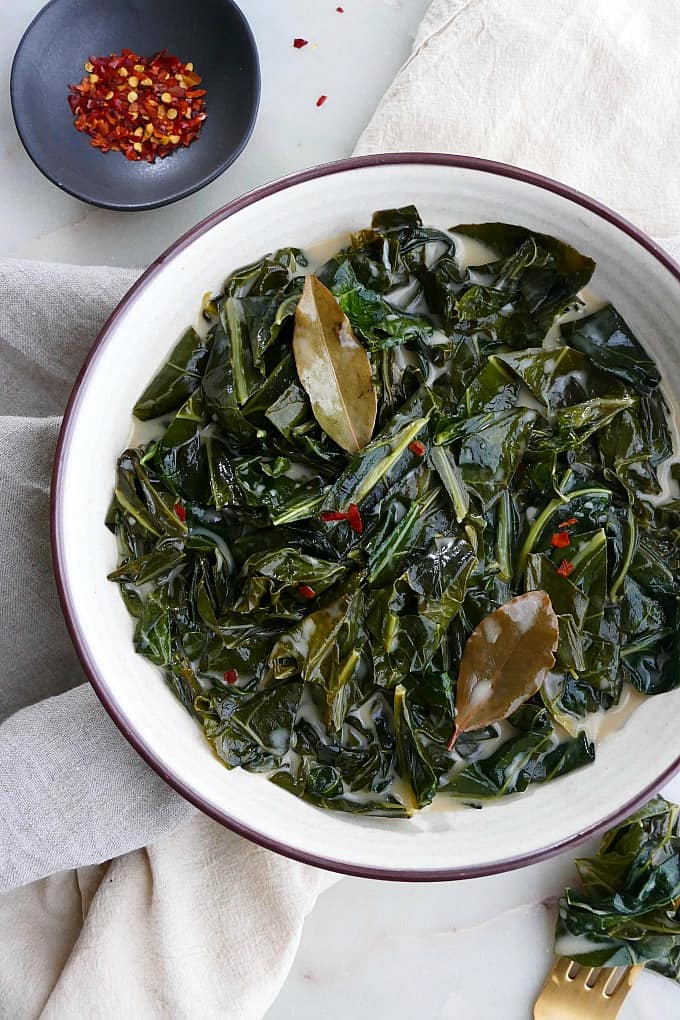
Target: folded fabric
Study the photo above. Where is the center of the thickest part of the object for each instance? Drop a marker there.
(200, 922)
(72, 790)
(576, 89)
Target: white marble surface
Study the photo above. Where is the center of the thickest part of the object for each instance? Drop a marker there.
(351, 58)
(477, 949)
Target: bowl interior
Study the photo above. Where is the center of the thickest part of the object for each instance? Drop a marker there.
(440, 842)
(213, 34)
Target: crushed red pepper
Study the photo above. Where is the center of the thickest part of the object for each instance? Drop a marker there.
(321, 100)
(180, 512)
(568, 524)
(560, 540)
(299, 43)
(565, 568)
(142, 107)
(307, 591)
(231, 676)
(417, 447)
(352, 516)
(354, 519)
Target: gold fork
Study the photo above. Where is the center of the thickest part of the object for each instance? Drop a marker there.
(572, 992)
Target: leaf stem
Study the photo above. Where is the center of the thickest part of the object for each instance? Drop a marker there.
(452, 480)
(628, 558)
(454, 737)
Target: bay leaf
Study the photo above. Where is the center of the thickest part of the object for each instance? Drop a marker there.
(505, 661)
(334, 368)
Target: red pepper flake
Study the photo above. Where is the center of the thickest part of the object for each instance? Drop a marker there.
(352, 516)
(340, 10)
(321, 100)
(565, 568)
(354, 519)
(143, 107)
(417, 447)
(299, 43)
(568, 524)
(180, 512)
(560, 540)
(231, 676)
(306, 591)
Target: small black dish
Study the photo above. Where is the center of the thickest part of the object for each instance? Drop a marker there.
(213, 34)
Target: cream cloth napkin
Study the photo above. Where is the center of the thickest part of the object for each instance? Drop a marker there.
(581, 90)
(201, 923)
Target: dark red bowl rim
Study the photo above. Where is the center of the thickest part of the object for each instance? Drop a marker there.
(182, 786)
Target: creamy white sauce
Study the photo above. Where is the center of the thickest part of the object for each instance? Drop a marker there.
(575, 945)
(605, 721)
(143, 432)
(470, 252)
(278, 739)
(521, 611)
(401, 297)
(492, 631)
(320, 252)
(364, 712)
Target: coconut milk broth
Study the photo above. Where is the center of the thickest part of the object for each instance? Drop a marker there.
(469, 253)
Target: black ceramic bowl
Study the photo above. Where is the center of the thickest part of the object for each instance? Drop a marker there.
(213, 34)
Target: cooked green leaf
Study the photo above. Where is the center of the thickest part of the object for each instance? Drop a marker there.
(626, 911)
(608, 341)
(178, 378)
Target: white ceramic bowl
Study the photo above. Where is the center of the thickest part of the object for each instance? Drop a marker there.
(305, 210)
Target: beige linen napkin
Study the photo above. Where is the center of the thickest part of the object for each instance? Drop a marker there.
(582, 90)
(201, 923)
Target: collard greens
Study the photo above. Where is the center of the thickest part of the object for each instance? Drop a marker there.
(352, 475)
(627, 911)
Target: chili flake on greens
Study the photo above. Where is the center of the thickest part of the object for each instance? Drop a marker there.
(142, 107)
(560, 540)
(352, 516)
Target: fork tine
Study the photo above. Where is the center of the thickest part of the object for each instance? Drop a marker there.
(585, 996)
(629, 977)
(597, 978)
(591, 976)
(615, 978)
(562, 968)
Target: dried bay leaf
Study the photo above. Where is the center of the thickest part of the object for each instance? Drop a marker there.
(505, 661)
(334, 368)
